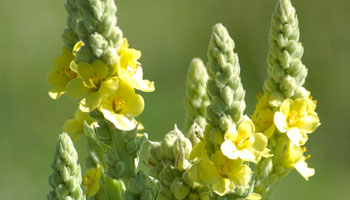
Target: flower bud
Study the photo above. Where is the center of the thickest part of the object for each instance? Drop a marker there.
(276, 99)
(167, 175)
(110, 56)
(181, 162)
(168, 143)
(179, 189)
(165, 194)
(182, 144)
(132, 146)
(214, 136)
(137, 183)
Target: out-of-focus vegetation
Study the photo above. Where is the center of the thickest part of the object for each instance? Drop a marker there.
(169, 34)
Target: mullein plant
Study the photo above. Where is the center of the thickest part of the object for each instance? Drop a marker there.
(221, 154)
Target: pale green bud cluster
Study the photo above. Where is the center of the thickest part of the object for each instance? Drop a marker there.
(196, 100)
(70, 38)
(286, 71)
(98, 31)
(225, 90)
(66, 177)
(169, 163)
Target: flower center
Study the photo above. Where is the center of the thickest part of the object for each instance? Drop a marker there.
(293, 118)
(118, 103)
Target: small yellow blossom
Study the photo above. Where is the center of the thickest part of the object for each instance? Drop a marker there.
(130, 70)
(74, 126)
(263, 116)
(92, 84)
(244, 143)
(61, 73)
(293, 158)
(122, 107)
(297, 118)
(91, 181)
(221, 173)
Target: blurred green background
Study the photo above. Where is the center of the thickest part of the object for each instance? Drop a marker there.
(170, 33)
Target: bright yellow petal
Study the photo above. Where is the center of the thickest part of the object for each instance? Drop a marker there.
(285, 107)
(296, 136)
(139, 83)
(109, 86)
(120, 121)
(101, 68)
(56, 93)
(223, 186)
(240, 174)
(134, 106)
(260, 141)
(308, 123)
(280, 122)
(304, 170)
(76, 88)
(300, 105)
(86, 71)
(208, 172)
(91, 102)
(253, 196)
(198, 150)
(229, 149)
(231, 134)
(246, 128)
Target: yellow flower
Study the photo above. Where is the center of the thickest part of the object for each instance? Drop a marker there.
(263, 116)
(244, 143)
(92, 84)
(254, 196)
(74, 126)
(297, 119)
(130, 70)
(91, 181)
(61, 73)
(293, 158)
(122, 107)
(220, 172)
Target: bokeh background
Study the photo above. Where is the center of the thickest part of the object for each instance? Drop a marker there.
(170, 33)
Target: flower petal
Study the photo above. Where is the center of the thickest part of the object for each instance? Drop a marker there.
(285, 107)
(56, 93)
(304, 170)
(76, 88)
(109, 86)
(296, 136)
(229, 149)
(101, 68)
(86, 71)
(223, 186)
(280, 122)
(260, 141)
(208, 172)
(300, 105)
(89, 103)
(309, 123)
(134, 106)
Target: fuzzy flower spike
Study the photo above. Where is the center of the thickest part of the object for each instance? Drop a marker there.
(286, 111)
(229, 138)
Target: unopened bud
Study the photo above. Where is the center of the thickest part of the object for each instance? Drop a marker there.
(179, 189)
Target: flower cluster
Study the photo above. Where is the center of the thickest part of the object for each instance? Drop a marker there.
(108, 88)
(286, 111)
(292, 119)
(221, 158)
